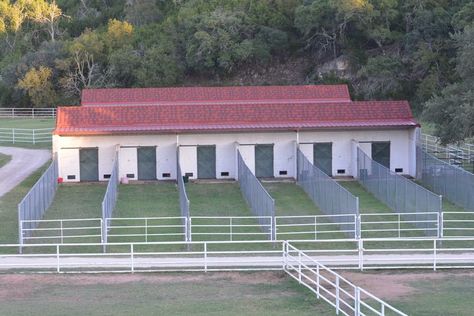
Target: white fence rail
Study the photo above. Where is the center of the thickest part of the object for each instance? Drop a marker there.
(28, 136)
(454, 155)
(314, 227)
(27, 112)
(363, 254)
(62, 230)
(344, 296)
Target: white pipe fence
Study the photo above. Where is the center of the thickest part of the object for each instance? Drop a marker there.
(26, 136)
(326, 284)
(361, 254)
(27, 112)
(457, 155)
(201, 228)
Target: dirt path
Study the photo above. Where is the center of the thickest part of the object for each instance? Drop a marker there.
(23, 163)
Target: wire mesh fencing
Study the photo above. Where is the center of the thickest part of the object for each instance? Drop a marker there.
(110, 198)
(37, 201)
(326, 193)
(183, 204)
(453, 182)
(399, 193)
(261, 203)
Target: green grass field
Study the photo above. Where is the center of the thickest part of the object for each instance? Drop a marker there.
(448, 296)
(26, 123)
(159, 294)
(216, 199)
(4, 159)
(147, 200)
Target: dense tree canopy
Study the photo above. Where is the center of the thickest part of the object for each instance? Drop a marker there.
(420, 50)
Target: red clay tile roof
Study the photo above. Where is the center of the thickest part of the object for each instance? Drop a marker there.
(100, 120)
(213, 95)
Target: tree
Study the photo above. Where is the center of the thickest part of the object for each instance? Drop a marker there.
(142, 12)
(118, 34)
(45, 13)
(36, 83)
(12, 17)
(83, 68)
(452, 110)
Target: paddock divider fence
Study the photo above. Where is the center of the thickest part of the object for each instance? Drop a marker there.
(327, 194)
(260, 201)
(399, 193)
(35, 203)
(110, 198)
(184, 203)
(449, 180)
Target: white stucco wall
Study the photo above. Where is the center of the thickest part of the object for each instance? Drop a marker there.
(284, 153)
(68, 154)
(402, 153)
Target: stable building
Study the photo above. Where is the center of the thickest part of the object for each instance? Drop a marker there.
(152, 129)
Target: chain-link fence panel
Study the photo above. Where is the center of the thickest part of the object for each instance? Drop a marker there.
(110, 199)
(453, 182)
(327, 194)
(399, 193)
(261, 203)
(37, 201)
(183, 204)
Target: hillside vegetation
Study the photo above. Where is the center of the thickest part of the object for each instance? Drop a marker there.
(420, 50)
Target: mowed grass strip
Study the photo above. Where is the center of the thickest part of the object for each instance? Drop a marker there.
(221, 200)
(227, 294)
(216, 199)
(4, 159)
(9, 207)
(27, 123)
(291, 200)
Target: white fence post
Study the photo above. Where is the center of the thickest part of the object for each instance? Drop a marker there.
(284, 254)
(146, 229)
(61, 231)
(357, 301)
(299, 267)
(441, 225)
(34, 140)
(132, 259)
(230, 226)
(337, 294)
(317, 281)
(434, 254)
(205, 256)
(360, 244)
(58, 267)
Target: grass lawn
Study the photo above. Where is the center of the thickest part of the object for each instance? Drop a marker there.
(9, 207)
(147, 200)
(291, 200)
(159, 294)
(368, 203)
(221, 200)
(27, 123)
(77, 201)
(450, 296)
(216, 199)
(4, 159)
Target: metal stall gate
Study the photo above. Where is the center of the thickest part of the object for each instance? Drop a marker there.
(89, 164)
(206, 162)
(146, 160)
(264, 161)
